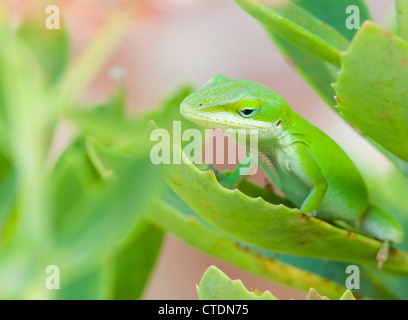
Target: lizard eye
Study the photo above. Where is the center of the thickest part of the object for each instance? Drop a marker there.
(248, 112)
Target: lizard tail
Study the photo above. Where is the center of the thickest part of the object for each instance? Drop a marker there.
(380, 225)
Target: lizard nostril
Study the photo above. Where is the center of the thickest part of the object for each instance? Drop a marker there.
(200, 105)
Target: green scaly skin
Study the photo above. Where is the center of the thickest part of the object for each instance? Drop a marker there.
(304, 163)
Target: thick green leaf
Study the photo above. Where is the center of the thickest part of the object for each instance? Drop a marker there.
(215, 285)
(135, 260)
(371, 286)
(335, 271)
(333, 13)
(299, 27)
(200, 235)
(317, 73)
(371, 88)
(314, 295)
(348, 295)
(255, 191)
(402, 18)
(273, 227)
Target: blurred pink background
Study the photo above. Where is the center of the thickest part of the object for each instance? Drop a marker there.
(180, 41)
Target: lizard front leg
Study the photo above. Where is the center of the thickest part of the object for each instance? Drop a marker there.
(308, 171)
(314, 200)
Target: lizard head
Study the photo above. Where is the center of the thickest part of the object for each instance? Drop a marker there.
(224, 103)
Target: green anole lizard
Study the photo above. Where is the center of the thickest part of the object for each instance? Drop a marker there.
(309, 168)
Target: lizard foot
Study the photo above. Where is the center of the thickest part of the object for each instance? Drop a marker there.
(312, 214)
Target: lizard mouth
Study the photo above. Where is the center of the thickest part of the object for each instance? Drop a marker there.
(215, 123)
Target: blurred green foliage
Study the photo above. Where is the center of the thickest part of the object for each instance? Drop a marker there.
(99, 209)
(82, 209)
